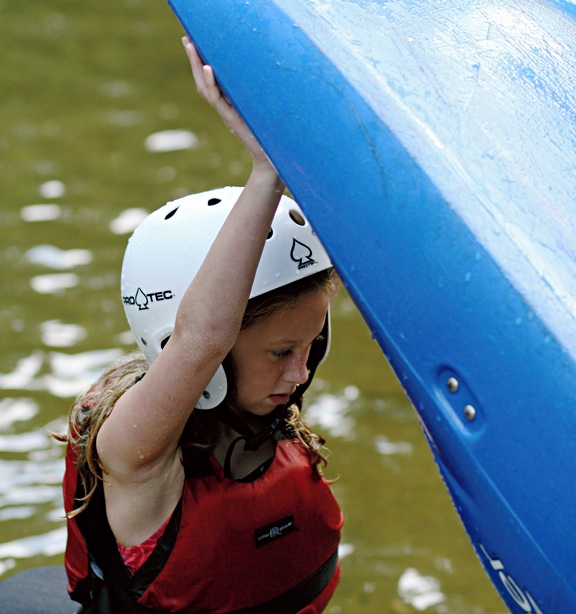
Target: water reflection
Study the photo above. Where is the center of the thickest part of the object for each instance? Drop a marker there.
(54, 283)
(41, 212)
(57, 334)
(332, 413)
(52, 189)
(127, 221)
(62, 375)
(13, 411)
(54, 258)
(422, 592)
(30, 484)
(387, 447)
(171, 140)
(47, 545)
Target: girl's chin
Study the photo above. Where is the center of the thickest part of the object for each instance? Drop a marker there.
(264, 409)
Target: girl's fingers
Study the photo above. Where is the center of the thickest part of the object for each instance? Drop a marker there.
(211, 89)
(208, 89)
(209, 78)
(193, 57)
(197, 66)
(203, 74)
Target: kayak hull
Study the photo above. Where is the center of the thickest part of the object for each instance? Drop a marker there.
(432, 146)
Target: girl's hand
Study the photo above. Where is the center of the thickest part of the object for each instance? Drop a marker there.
(208, 89)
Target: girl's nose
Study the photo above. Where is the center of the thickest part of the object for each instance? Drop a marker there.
(297, 372)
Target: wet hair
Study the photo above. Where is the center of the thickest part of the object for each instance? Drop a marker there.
(286, 296)
(202, 429)
(88, 413)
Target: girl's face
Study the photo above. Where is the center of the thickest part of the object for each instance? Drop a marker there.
(269, 357)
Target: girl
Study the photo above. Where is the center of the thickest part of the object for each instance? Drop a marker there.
(192, 484)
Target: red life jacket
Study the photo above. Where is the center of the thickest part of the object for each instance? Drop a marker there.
(256, 546)
(76, 556)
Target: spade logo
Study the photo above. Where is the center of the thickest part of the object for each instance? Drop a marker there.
(301, 254)
(141, 300)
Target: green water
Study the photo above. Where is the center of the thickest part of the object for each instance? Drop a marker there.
(83, 86)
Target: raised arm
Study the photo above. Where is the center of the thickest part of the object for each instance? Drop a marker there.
(138, 443)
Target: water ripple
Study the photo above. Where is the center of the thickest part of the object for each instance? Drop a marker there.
(55, 258)
(421, 592)
(57, 334)
(127, 221)
(331, 412)
(171, 140)
(40, 212)
(47, 544)
(54, 283)
(68, 374)
(16, 410)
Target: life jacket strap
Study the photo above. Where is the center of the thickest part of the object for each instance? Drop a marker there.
(301, 595)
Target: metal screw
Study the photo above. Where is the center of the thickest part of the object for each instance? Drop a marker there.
(452, 384)
(470, 412)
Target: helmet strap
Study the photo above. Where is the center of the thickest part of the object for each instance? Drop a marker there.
(252, 440)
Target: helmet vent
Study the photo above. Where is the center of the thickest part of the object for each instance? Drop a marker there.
(164, 342)
(297, 218)
(270, 233)
(171, 214)
(214, 201)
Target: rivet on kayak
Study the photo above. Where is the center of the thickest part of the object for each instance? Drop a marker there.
(452, 384)
(470, 412)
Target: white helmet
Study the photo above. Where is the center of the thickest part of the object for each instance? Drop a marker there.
(168, 247)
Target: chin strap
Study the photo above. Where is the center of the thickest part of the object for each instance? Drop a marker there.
(252, 440)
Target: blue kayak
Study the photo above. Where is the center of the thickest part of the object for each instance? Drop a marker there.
(433, 146)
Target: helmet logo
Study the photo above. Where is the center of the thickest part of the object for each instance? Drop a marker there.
(301, 254)
(142, 299)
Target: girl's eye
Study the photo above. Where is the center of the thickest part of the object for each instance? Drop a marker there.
(281, 353)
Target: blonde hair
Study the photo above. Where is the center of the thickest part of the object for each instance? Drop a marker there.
(89, 412)
(286, 296)
(91, 409)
